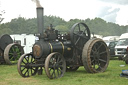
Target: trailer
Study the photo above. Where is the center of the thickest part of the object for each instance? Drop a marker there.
(26, 41)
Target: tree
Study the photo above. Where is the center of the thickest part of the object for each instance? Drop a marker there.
(1, 14)
(5, 31)
(21, 25)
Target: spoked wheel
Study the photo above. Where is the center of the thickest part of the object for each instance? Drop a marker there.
(79, 35)
(72, 68)
(26, 65)
(12, 53)
(55, 65)
(95, 56)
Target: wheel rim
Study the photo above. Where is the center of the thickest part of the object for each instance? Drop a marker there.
(12, 53)
(79, 34)
(55, 65)
(25, 65)
(95, 56)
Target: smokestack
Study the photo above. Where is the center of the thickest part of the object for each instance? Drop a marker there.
(40, 20)
(40, 17)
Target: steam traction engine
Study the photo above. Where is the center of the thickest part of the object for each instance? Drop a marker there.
(9, 52)
(58, 52)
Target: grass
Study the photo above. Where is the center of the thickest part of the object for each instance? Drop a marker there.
(10, 76)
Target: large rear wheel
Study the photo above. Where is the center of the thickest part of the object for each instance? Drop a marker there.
(95, 56)
(12, 53)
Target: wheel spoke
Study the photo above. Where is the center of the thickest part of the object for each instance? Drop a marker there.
(17, 49)
(99, 46)
(92, 61)
(19, 53)
(103, 52)
(55, 65)
(102, 60)
(79, 27)
(10, 53)
(53, 73)
(31, 60)
(25, 72)
(13, 49)
(97, 53)
(11, 57)
(84, 31)
(77, 41)
(61, 60)
(58, 59)
(94, 65)
(94, 48)
(22, 69)
(31, 70)
(26, 58)
(80, 33)
(76, 34)
(25, 62)
(22, 65)
(58, 72)
(28, 72)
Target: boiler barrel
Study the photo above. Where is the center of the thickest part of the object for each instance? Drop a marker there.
(42, 49)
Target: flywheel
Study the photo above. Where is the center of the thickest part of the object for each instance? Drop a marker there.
(79, 35)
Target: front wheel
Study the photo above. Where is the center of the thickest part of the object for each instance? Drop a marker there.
(26, 65)
(55, 65)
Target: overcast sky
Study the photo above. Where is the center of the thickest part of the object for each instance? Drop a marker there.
(110, 10)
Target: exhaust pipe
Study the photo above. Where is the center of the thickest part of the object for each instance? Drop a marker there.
(40, 21)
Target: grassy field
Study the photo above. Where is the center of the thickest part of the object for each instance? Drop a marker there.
(9, 76)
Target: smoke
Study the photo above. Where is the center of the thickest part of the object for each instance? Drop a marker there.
(37, 3)
(120, 2)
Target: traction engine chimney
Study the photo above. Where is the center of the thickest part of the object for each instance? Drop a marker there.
(40, 20)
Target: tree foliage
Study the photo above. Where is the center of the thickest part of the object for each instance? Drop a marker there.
(1, 14)
(21, 25)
